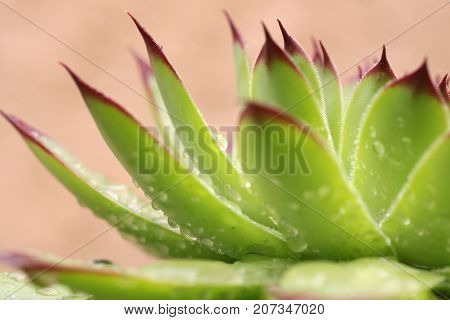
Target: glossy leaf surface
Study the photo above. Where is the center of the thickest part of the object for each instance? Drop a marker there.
(375, 79)
(278, 82)
(402, 123)
(419, 222)
(176, 279)
(360, 279)
(199, 142)
(186, 198)
(299, 177)
(115, 203)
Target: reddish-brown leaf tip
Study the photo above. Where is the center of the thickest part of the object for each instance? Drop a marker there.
(30, 263)
(360, 71)
(89, 92)
(272, 52)
(419, 81)
(326, 62)
(237, 37)
(290, 44)
(317, 56)
(153, 49)
(443, 87)
(382, 67)
(26, 131)
(22, 261)
(264, 115)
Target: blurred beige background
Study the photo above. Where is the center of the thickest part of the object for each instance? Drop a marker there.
(35, 211)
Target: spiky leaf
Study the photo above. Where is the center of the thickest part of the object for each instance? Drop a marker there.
(298, 176)
(115, 203)
(198, 140)
(278, 82)
(175, 279)
(402, 123)
(364, 94)
(419, 221)
(185, 198)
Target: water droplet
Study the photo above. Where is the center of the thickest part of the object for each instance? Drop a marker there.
(294, 206)
(47, 291)
(233, 193)
(155, 205)
(172, 223)
(200, 230)
(406, 222)
(323, 191)
(222, 141)
(207, 242)
(373, 132)
(407, 140)
(247, 185)
(378, 147)
(297, 244)
(162, 197)
(18, 277)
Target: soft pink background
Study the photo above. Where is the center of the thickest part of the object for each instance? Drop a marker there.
(35, 211)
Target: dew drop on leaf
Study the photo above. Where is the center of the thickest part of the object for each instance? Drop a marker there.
(172, 223)
(47, 291)
(155, 205)
(378, 147)
(297, 244)
(222, 141)
(18, 277)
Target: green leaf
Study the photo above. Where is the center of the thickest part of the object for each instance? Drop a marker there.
(302, 61)
(278, 82)
(332, 93)
(185, 197)
(174, 279)
(401, 124)
(299, 178)
(16, 286)
(115, 203)
(158, 108)
(198, 141)
(241, 63)
(419, 221)
(369, 278)
(372, 82)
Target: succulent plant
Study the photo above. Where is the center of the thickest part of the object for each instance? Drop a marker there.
(330, 189)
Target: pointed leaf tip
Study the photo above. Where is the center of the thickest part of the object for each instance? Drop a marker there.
(88, 91)
(23, 261)
(272, 52)
(326, 62)
(153, 49)
(419, 81)
(317, 56)
(25, 130)
(264, 114)
(237, 37)
(290, 44)
(443, 87)
(383, 66)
